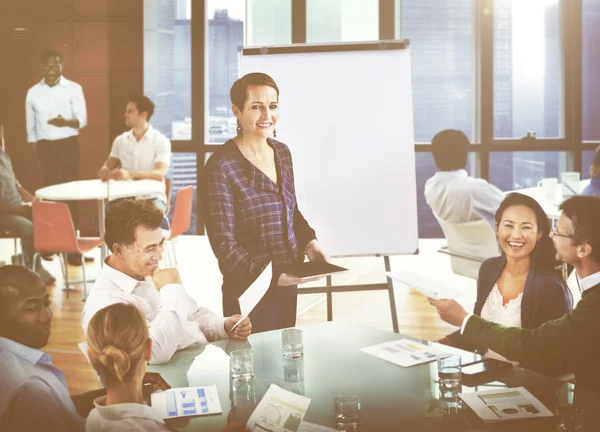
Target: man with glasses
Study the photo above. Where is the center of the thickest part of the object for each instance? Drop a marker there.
(576, 336)
(131, 275)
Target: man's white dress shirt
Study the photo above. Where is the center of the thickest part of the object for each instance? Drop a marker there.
(144, 154)
(44, 103)
(456, 198)
(175, 321)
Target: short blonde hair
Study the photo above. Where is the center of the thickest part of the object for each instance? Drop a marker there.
(117, 338)
(595, 167)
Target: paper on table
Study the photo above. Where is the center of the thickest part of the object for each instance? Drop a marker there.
(505, 404)
(404, 352)
(185, 402)
(279, 411)
(311, 427)
(425, 286)
(254, 293)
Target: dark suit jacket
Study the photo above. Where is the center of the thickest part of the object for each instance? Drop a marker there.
(545, 297)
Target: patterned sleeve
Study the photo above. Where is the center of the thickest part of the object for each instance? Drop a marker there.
(219, 213)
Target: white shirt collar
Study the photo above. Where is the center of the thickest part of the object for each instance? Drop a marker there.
(126, 410)
(589, 281)
(150, 132)
(120, 279)
(62, 81)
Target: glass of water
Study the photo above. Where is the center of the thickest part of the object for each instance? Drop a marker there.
(291, 340)
(449, 368)
(242, 365)
(347, 412)
(293, 370)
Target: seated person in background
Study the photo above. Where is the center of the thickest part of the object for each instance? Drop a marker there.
(141, 153)
(131, 275)
(520, 288)
(15, 214)
(594, 187)
(119, 348)
(452, 195)
(573, 339)
(33, 392)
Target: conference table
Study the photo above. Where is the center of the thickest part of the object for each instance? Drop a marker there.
(100, 191)
(393, 398)
(549, 203)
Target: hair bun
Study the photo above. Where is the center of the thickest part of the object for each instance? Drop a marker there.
(115, 359)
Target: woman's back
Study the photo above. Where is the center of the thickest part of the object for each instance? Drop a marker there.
(123, 417)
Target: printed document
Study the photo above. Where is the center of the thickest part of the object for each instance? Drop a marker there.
(189, 401)
(279, 411)
(425, 286)
(404, 352)
(254, 293)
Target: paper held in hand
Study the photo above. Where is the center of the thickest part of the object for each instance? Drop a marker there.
(505, 404)
(404, 352)
(185, 402)
(423, 285)
(254, 293)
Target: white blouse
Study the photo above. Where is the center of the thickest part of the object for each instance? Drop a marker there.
(508, 315)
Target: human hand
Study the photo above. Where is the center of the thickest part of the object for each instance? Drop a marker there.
(165, 277)
(155, 382)
(315, 252)
(58, 121)
(450, 311)
(104, 173)
(120, 174)
(288, 280)
(242, 331)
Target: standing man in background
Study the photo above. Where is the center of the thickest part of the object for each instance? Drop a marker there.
(55, 110)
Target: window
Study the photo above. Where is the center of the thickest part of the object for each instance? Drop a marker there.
(269, 22)
(518, 170)
(441, 42)
(225, 35)
(591, 70)
(527, 69)
(342, 20)
(167, 65)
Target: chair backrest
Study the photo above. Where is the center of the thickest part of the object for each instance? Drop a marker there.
(182, 212)
(53, 229)
(469, 244)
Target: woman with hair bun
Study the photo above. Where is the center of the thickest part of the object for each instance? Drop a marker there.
(119, 349)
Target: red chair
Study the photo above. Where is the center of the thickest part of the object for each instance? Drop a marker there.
(53, 232)
(182, 216)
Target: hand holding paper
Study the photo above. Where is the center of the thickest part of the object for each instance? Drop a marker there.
(423, 285)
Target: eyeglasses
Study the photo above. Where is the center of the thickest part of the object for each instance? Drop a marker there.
(555, 233)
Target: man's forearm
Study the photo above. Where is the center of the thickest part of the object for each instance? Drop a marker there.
(73, 123)
(158, 175)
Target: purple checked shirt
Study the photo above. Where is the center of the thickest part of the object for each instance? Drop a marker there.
(250, 220)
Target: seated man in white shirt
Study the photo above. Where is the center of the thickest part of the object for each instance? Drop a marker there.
(140, 153)
(131, 275)
(452, 195)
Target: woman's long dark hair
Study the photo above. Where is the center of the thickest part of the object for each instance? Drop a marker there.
(544, 253)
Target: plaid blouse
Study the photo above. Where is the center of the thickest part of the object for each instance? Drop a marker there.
(250, 220)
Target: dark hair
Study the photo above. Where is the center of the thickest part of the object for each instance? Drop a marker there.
(49, 54)
(143, 104)
(13, 279)
(124, 216)
(239, 89)
(450, 150)
(595, 167)
(544, 253)
(584, 212)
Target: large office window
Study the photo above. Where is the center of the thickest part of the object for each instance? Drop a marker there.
(591, 70)
(167, 65)
(269, 22)
(527, 69)
(442, 61)
(520, 170)
(342, 20)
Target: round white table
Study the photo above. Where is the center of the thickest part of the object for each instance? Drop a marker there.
(100, 191)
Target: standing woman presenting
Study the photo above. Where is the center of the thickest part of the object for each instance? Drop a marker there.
(251, 212)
